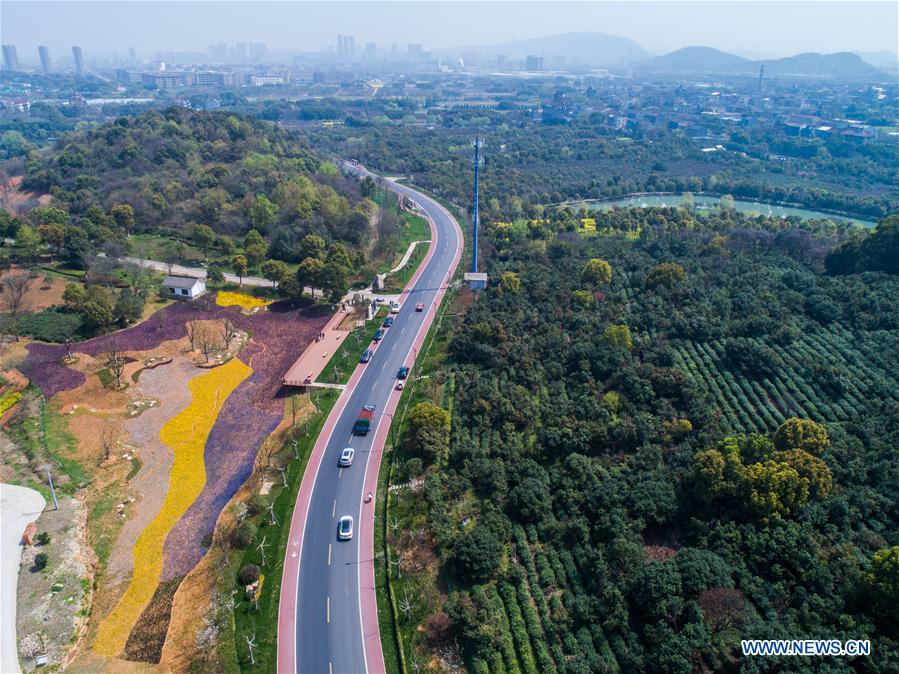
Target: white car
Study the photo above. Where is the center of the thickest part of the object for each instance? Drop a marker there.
(345, 528)
(400, 385)
(346, 457)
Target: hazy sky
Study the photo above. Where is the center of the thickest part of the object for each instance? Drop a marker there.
(761, 28)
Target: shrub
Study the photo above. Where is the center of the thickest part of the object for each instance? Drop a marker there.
(477, 554)
(40, 561)
(801, 434)
(248, 574)
(43, 538)
(257, 504)
(244, 535)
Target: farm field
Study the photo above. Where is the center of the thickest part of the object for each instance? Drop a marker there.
(828, 376)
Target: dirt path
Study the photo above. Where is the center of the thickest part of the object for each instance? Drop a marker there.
(169, 385)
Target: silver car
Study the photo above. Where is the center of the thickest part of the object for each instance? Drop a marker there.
(346, 457)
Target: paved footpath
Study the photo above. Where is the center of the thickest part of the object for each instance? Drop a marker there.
(18, 507)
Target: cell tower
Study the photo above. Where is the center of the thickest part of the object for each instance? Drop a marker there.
(761, 75)
(474, 279)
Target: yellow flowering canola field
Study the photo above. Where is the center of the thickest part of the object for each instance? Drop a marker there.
(185, 434)
(229, 299)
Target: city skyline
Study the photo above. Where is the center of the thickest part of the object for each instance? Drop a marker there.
(755, 29)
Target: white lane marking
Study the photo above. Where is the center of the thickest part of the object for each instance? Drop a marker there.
(340, 473)
(329, 554)
(328, 611)
(334, 508)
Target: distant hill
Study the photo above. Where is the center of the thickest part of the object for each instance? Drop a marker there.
(697, 59)
(842, 65)
(576, 48)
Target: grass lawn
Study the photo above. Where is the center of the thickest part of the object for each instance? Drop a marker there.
(264, 622)
(347, 356)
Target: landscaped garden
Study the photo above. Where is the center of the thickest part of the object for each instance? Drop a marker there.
(214, 441)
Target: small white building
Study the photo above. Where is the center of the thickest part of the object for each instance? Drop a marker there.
(183, 287)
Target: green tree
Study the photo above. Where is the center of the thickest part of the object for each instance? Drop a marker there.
(263, 214)
(312, 246)
(309, 273)
(618, 335)
(96, 316)
(477, 554)
(215, 275)
(28, 240)
(204, 237)
(275, 271)
(772, 489)
(509, 283)
(123, 215)
(129, 307)
(334, 281)
(253, 238)
(803, 434)
(883, 578)
(255, 253)
(427, 431)
(239, 265)
(74, 295)
(666, 274)
(339, 255)
(812, 471)
(597, 272)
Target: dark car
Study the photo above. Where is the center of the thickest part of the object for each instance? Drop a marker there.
(388, 322)
(403, 373)
(379, 334)
(366, 356)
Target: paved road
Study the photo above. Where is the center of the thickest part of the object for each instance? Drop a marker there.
(328, 620)
(18, 507)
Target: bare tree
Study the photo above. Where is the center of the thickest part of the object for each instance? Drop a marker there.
(192, 328)
(208, 342)
(115, 361)
(109, 436)
(15, 291)
(229, 332)
(294, 405)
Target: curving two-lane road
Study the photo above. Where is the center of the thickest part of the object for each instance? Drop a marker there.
(328, 620)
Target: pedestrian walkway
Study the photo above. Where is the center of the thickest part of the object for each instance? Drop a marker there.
(313, 360)
(18, 507)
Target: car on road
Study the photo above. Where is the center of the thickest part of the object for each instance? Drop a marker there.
(388, 322)
(366, 356)
(346, 457)
(403, 373)
(400, 385)
(420, 306)
(394, 307)
(345, 528)
(379, 334)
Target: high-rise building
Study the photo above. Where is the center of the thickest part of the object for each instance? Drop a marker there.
(78, 58)
(533, 63)
(239, 53)
(414, 51)
(346, 48)
(218, 53)
(10, 58)
(371, 51)
(258, 52)
(44, 53)
(132, 55)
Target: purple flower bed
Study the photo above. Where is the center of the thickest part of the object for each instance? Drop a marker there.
(250, 414)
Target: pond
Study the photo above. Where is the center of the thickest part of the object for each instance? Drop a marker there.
(706, 203)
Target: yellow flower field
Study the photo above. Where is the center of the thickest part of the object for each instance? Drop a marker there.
(186, 435)
(230, 299)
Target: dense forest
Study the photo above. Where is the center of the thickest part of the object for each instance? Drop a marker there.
(177, 167)
(655, 446)
(584, 158)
